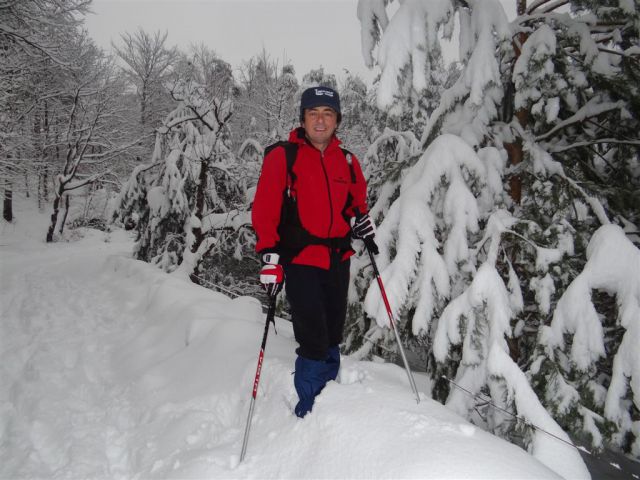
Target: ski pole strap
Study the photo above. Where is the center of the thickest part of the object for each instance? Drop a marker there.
(271, 313)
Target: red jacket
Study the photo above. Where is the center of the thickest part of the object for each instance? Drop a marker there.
(322, 183)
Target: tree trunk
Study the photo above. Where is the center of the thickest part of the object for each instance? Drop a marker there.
(7, 208)
(40, 190)
(200, 201)
(43, 195)
(54, 220)
(143, 107)
(516, 155)
(45, 184)
(514, 149)
(66, 213)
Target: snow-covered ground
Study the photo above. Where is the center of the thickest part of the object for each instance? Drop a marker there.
(113, 369)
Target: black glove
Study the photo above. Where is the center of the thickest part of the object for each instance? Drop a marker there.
(362, 227)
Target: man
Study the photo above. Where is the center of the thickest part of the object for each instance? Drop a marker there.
(310, 200)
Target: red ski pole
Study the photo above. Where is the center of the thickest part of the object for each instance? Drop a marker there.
(271, 313)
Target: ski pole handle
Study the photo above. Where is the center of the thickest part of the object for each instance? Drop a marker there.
(369, 242)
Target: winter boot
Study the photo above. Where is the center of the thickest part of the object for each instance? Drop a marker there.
(309, 379)
(333, 363)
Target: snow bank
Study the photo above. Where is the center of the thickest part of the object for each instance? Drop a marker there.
(114, 369)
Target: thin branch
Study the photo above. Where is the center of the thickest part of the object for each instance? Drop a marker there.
(84, 182)
(580, 116)
(594, 142)
(555, 5)
(536, 5)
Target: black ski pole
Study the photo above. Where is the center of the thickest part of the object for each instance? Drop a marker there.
(271, 313)
(371, 248)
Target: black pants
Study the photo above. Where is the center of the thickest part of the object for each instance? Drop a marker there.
(318, 300)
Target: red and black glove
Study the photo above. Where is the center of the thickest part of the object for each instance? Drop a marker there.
(271, 274)
(362, 227)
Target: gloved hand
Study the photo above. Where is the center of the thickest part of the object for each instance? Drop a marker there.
(363, 228)
(271, 274)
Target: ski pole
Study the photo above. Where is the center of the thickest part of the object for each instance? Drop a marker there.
(370, 247)
(270, 319)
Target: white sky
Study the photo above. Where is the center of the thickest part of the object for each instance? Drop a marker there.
(307, 33)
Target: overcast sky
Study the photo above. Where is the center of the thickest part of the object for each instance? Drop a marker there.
(308, 33)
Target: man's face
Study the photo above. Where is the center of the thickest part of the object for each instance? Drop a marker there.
(320, 123)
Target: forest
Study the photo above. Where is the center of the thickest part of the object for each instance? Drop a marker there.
(505, 185)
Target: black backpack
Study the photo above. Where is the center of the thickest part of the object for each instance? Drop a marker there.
(293, 236)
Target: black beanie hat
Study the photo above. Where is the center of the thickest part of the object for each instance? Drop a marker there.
(320, 97)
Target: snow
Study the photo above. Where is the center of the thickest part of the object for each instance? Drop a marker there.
(114, 369)
(544, 290)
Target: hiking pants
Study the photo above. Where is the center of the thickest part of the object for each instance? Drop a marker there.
(318, 300)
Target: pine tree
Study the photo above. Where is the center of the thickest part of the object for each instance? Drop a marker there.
(540, 102)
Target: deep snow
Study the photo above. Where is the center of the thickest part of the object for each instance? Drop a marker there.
(111, 368)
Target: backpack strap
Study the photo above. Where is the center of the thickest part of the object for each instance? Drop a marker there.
(291, 153)
(349, 156)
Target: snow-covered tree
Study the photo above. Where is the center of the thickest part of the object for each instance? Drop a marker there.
(317, 77)
(34, 41)
(360, 117)
(266, 101)
(90, 137)
(485, 227)
(188, 195)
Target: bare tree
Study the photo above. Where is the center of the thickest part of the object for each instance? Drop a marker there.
(91, 136)
(148, 64)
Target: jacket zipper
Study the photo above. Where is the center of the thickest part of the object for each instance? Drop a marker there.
(326, 177)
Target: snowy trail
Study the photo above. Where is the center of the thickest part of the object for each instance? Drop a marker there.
(113, 369)
(58, 393)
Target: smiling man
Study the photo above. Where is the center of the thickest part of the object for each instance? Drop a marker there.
(304, 213)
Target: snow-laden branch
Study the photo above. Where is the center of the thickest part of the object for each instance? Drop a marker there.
(231, 220)
(592, 109)
(86, 181)
(250, 143)
(554, 6)
(544, 164)
(20, 38)
(373, 19)
(558, 148)
(510, 383)
(613, 266)
(439, 179)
